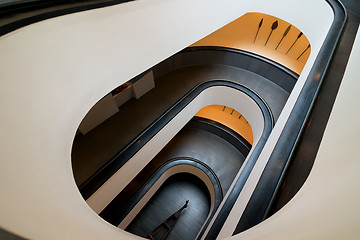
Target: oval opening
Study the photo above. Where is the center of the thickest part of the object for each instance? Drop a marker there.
(271, 44)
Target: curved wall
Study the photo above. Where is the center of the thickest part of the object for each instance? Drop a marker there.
(52, 72)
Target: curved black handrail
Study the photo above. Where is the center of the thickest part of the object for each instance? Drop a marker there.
(232, 137)
(240, 182)
(115, 214)
(131, 149)
(104, 173)
(122, 204)
(86, 190)
(202, 55)
(20, 14)
(264, 194)
(243, 52)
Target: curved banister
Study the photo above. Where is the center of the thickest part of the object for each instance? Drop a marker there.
(115, 212)
(107, 171)
(20, 14)
(114, 215)
(176, 61)
(282, 76)
(260, 203)
(231, 136)
(243, 52)
(104, 173)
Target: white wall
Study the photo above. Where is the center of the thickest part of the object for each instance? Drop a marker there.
(52, 72)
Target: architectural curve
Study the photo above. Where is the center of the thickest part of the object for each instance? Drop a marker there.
(21, 132)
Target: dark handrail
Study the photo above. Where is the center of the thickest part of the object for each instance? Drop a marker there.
(234, 138)
(108, 170)
(200, 55)
(20, 14)
(91, 185)
(117, 210)
(240, 182)
(103, 174)
(115, 214)
(260, 203)
(245, 53)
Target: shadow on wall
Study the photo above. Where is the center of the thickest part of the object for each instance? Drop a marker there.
(265, 35)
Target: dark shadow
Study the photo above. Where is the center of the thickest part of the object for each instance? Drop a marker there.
(167, 200)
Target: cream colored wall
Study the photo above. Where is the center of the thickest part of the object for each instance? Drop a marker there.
(54, 71)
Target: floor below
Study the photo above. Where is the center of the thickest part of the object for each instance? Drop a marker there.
(167, 200)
